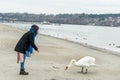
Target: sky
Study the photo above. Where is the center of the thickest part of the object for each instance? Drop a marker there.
(60, 6)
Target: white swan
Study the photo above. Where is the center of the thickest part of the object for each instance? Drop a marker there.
(84, 62)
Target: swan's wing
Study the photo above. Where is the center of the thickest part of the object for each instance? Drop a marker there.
(92, 64)
(85, 62)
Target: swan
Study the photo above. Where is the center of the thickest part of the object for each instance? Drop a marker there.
(84, 62)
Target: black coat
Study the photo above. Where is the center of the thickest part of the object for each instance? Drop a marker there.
(25, 41)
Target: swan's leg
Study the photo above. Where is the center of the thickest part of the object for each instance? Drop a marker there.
(86, 70)
(82, 69)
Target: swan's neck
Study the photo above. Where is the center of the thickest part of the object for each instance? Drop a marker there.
(71, 62)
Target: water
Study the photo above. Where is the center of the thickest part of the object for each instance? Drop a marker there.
(99, 36)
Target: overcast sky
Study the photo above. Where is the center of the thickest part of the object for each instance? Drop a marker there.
(60, 6)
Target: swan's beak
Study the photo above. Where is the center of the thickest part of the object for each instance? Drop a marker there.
(66, 68)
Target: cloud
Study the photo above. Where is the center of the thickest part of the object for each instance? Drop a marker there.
(60, 6)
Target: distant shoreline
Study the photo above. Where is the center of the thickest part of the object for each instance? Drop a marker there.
(111, 20)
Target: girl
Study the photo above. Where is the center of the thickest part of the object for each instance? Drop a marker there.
(24, 47)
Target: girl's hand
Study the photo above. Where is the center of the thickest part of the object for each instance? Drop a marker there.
(38, 51)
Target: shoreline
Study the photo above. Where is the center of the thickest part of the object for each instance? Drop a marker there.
(88, 46)
(80, 43)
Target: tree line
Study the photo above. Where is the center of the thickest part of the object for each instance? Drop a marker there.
(79, 19)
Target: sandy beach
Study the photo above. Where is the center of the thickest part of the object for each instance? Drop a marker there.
(54, 55)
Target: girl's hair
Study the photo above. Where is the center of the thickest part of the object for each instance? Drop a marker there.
(35, 27)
